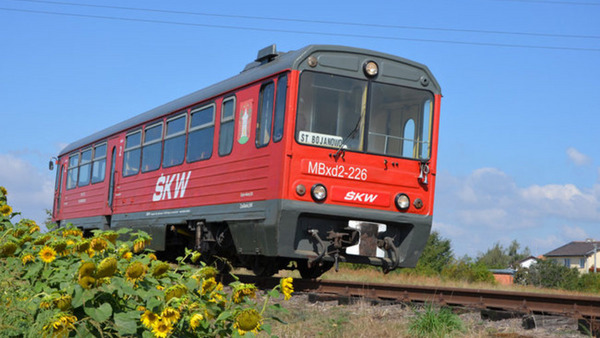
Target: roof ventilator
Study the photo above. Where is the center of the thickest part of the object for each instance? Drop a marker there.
(267, 54)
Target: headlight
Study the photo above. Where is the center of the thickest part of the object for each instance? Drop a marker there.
(318, 192)
(402, 202)
(371, 69)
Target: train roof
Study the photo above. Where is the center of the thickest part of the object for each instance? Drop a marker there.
(268, 62)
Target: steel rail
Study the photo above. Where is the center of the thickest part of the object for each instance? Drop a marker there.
(574, 306)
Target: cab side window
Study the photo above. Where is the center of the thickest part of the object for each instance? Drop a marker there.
(265, 114)
(227, 126)
(73, 171)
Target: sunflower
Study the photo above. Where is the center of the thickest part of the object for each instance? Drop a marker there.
(208, 285)
(61, 325)
(99, 244)
(135, 271)
(87, 282)
(111, 236)
(72, 232)
(107, 267)
(170, 315)
(82, 246)
(47, 254)
(60, 247)
(248, 320)
(63, 302)
(87, 269)
(6, 210)
(207, 272)
(27, 258)
(196, 320)
(152, 257)
(175, 291)
(160, 268)
(127, 255)
(195, 256)
(8, 249)
(149, 318)
(243, 290)
(35, 228)
(162, 328)
(139, 245)
(287, 287)
(3, 191)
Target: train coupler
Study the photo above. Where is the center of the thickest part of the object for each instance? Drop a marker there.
(388, 245)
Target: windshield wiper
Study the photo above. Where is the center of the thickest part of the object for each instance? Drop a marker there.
(340, 151)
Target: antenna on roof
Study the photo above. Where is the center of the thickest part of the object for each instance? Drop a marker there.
(267, 54)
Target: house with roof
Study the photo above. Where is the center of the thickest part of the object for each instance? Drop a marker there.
(527, 262)
(583, 255)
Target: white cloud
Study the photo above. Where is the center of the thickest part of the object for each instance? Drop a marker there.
(577, 157)
(488, 206)
(30, 189)
(574, 233)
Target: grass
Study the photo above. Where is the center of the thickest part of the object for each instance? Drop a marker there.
(435, 322)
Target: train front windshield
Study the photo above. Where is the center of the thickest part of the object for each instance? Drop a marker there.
(358, 115)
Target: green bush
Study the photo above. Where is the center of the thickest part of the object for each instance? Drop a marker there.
(468, 272)
(548, 274)
(434, 322)
(59, 284)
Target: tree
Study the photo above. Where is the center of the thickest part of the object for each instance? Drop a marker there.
(499, 257)
(436, 255)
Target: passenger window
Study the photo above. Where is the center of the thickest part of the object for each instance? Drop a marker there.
(280, 108)
(99, 164)
(73, 171)
(85, 165)
(200, 140)
(408, 139)
(227, 125)
(152, 149)
(131, 157)
(174, 150)
(265, 115)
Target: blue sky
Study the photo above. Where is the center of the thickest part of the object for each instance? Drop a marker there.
(519, 150)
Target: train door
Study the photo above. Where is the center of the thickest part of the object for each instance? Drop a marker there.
(111, 182)
(58, 189)
(114, 150)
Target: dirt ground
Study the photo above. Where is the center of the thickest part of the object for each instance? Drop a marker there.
(328, 319)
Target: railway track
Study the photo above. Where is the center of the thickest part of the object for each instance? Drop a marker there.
(587, 307)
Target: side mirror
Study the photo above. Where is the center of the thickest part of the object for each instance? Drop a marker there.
(51, 165)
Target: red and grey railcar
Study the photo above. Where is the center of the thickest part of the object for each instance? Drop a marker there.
(316, 156)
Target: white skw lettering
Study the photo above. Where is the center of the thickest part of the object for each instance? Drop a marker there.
(360, 197)
(163, 186)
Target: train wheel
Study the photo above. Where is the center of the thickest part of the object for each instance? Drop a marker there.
(265, 266)
(315, 271)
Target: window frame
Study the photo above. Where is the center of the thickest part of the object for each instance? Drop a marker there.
(206, 125)
(168, 137)
(146, 144)
(133, 148)
(87, 163)
(97, 160)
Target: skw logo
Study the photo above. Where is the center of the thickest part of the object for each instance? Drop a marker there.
(360, 197)
(164, 183)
